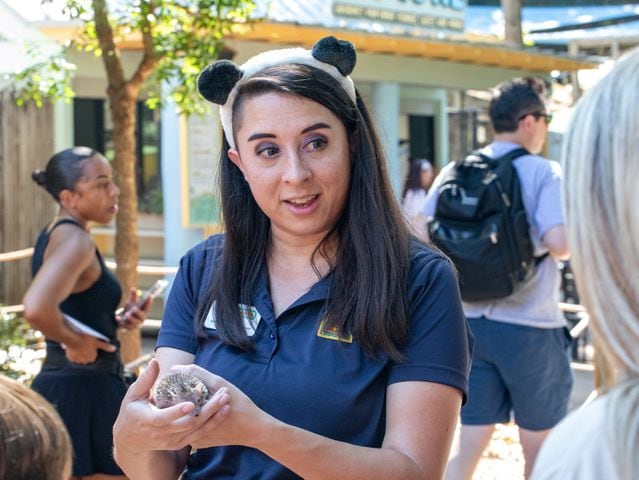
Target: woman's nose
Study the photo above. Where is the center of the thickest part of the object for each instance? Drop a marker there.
(295, 169)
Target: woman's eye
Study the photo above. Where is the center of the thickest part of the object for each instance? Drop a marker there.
(268, 151)
(316, 144)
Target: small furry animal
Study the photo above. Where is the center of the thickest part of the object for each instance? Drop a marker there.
(177, 387)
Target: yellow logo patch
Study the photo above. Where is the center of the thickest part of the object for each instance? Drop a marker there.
(331, 333)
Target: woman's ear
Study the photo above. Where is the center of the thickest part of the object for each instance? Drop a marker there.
(66, 198)
(234, 156)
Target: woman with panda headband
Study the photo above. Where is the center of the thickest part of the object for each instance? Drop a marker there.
(334, 342)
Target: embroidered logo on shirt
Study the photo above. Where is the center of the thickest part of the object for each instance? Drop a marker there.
(248, 313)
(331, 333)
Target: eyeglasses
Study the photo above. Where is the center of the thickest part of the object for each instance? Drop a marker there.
(537, 115)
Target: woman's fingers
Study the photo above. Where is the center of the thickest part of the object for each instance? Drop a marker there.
(217, 409)
(142, 386)
(133, 295)
(141, 426)
(132, 317)
(106, 346)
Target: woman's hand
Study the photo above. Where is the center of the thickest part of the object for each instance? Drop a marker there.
(246, 424)
(133, 315)
(85, 349)
(142, 427)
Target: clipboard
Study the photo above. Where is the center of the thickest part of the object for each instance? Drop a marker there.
(80, 327)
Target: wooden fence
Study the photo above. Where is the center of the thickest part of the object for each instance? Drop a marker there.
(26, 143)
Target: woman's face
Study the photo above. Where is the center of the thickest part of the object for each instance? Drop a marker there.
(95, 197)
(426, 176)
(294, 154)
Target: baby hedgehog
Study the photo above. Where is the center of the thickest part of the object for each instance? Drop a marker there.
(177, 387)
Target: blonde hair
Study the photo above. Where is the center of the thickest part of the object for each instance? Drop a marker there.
(601, 201)
(34, 442)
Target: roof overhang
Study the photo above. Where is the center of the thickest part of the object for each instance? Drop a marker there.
(462, 51)
(490, 55)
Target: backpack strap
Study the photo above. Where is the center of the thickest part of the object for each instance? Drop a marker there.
(478, 156)
(540, 258)
(510, 156)
(507, 157)
(515, 153)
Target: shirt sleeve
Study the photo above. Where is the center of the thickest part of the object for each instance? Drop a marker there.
(549, 211)
(178, 322)
(440, 344)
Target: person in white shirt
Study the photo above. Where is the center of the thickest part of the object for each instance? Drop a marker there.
(601, 196)
(418, 180)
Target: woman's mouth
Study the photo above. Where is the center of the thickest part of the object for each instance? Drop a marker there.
(303, 204)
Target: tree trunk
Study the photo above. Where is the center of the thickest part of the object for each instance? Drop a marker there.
(123, 111)
(512, 22)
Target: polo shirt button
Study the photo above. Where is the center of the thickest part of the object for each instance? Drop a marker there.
(272, 335)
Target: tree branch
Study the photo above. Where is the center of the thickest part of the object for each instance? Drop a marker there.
(110, 53)
(150, 57)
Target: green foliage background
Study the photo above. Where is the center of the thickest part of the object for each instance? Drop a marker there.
(179, 38)
(21, 348)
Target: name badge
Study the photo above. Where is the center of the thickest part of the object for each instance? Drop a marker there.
(248, 313)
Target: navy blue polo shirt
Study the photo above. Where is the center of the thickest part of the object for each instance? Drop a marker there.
(304, 375)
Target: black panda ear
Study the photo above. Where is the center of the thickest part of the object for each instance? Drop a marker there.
(339, 53)
(217, 80)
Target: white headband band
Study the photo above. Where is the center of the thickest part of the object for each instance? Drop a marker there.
(220, 81)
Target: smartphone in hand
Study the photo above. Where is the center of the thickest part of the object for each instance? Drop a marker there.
(157, 288)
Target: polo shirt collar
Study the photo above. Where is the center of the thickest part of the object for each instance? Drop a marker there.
(262, 296)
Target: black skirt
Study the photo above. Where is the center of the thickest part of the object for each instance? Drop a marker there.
(88, 402)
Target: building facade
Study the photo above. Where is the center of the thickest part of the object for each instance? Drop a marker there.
(420, 72)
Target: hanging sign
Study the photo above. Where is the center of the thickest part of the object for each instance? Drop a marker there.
(427, 14)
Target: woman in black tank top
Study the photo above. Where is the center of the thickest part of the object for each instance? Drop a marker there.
(72, 301)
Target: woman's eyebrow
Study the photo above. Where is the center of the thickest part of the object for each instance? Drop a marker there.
(315, 126)
(97, 178)
(257, 136)
(87, 179)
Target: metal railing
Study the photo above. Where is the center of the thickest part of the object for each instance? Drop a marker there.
(16, 255)
(28, 252)
(129, 367)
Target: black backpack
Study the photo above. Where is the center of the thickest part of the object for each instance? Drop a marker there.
(480, 223)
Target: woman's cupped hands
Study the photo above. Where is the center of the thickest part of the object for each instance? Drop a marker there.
(228, 417)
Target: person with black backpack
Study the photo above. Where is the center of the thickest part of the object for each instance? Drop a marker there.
(498, 215)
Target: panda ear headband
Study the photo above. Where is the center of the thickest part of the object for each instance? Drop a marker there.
(219, 82)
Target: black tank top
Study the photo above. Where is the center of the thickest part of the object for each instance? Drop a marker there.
(94, 306)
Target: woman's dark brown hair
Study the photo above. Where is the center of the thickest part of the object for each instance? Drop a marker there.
(370, 266)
